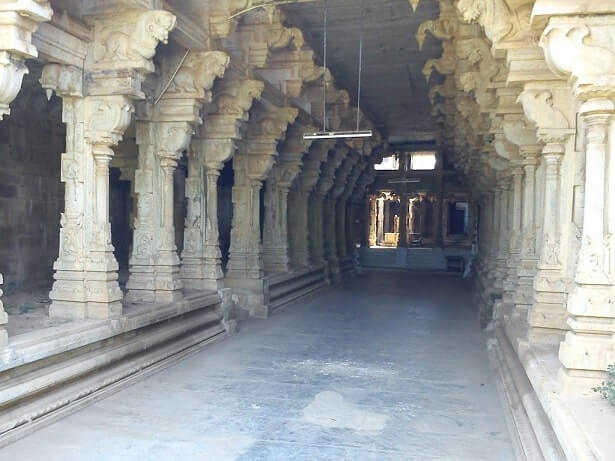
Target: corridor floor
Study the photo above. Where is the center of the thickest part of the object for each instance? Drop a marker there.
(388, 366)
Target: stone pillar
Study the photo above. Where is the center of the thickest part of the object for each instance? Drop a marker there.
(299, 200)
(373, 204)
(581, 49)
(590, 345)
(214, 145)
(529, 259)
(86, 271)
(252, 162)
(323, 213)
(403, 218)
(514, 245)
(549, 106)
(193, 253)
(276, 256)
(380, 221)
(154, 262)
(335, 222)
(502, 231)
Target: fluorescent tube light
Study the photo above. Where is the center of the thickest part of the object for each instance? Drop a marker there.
(338, 134)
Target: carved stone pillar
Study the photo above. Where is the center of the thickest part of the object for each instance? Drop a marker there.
(581, 49)
(154, 263)
(380, 220)
(503, 232)
(549, 106)
(193, 253)
(163, 134)
(252, 162)
(344, 182)
(321, 214)
(214, 145)
(18, 21)
(333, 218)
(347, 235)
(529, 259)
(276, 256)
(590, 345)
(373, 203)
(86, 283)
(299, 200)
(86, 276)
(514, 244)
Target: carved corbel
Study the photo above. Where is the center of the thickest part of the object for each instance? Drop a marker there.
(66, 81)
(551, 110)
(443, 28)
(18, 20)
(502, 20)
(445, 64)
(581, 50)
(172, 139)
(238, 97)
(128, 40)
(107, 118)
(11, 75)
(196, 76)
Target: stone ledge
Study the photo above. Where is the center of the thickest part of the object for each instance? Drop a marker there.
(582, 423)
(94, 355)
(36, 345)
(294, 285)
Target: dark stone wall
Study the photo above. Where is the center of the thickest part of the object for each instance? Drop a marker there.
(32, 139)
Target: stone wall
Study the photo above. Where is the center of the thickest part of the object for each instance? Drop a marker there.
(31, 194)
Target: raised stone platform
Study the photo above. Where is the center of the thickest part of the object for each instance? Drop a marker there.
(46, 373)
(291, 286)
(551, 419)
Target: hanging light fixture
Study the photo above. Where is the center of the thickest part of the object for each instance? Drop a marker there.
(324, 134)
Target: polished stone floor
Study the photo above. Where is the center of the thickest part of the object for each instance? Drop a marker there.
(388, 366)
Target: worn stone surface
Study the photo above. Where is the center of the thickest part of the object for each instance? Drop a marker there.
(383, 367)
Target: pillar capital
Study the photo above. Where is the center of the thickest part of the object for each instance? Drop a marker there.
(107, 117)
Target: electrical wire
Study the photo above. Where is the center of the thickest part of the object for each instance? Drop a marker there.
(360, 62)
(166, 87)
(324, 72)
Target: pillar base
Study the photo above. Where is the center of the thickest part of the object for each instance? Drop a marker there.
(154, 284)
(83, 311)
(275, 260)
(85, 295)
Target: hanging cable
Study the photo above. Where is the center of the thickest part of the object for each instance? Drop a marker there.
(360, 62)
(324, 72)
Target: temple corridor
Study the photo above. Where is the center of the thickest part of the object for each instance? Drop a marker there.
(385, 366)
